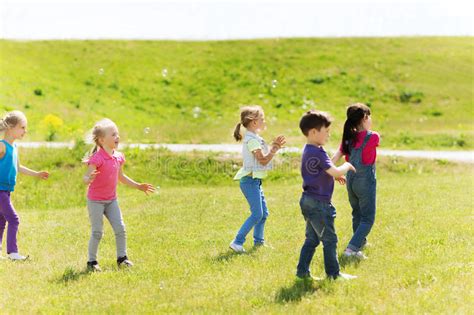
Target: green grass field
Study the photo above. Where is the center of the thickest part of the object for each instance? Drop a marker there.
(420, 258)
(420, 88)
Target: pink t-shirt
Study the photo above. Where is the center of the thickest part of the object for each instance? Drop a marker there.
(369, 154)
(104, 186)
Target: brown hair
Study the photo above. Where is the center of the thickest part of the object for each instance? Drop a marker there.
(247, 115)
(11, 119)
(314, 119)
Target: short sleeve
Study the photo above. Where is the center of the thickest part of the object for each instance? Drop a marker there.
(253, 145)
(96, 160)
(326, 162)
(374, 139)
(346, 156)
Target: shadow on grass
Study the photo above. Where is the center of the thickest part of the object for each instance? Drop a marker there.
(230, 254)
(8, 260)
(349, 261)
(302, 288)
(70, 275)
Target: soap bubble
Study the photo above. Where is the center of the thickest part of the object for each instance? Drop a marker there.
(196, 111)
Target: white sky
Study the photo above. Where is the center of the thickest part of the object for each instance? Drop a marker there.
(206, 19)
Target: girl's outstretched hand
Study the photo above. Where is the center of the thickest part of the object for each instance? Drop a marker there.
(43, 175)
(146, 188)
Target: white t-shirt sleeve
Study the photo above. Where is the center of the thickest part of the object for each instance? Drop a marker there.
(253, 145)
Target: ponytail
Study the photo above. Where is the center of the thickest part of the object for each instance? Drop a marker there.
(237, 135)
(89, 154)
(355, 114)
(348, 136)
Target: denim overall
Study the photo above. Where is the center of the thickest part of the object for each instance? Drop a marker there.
(361, 188)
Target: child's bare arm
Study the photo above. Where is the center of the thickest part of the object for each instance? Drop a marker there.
(276, 145)
(336, 157)
(146, 188)
(265, 159)
(90, 174)
(25, 170)
(337, 172)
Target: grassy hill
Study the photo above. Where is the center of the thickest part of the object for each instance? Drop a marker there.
(420, 89)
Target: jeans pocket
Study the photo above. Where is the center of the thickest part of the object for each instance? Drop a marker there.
(331, 211)
(303, 206)
(308, 203)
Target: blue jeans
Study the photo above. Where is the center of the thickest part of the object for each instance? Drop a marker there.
(361, 189)
(252, 190)
(319, 217)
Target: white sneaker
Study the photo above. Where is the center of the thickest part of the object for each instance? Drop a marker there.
(345, 276)
(237, 248)
(16, 256)
(352, 253)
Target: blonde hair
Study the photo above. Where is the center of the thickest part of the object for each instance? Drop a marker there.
(98, 132)
(247, 115)
(11, 119)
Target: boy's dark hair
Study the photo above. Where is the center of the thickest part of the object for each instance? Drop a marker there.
(314, 119)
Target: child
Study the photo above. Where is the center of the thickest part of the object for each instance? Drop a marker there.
(14, 125)
(256, 162)
(318, 174)
(104, 171)
(359, 147)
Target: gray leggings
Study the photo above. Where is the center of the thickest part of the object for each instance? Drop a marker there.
(111, 210)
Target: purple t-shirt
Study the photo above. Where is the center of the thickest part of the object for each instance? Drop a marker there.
(316, 182)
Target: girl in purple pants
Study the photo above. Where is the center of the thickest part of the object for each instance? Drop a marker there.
(13, 124)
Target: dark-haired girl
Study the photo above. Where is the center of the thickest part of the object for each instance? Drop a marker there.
(358, 146)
